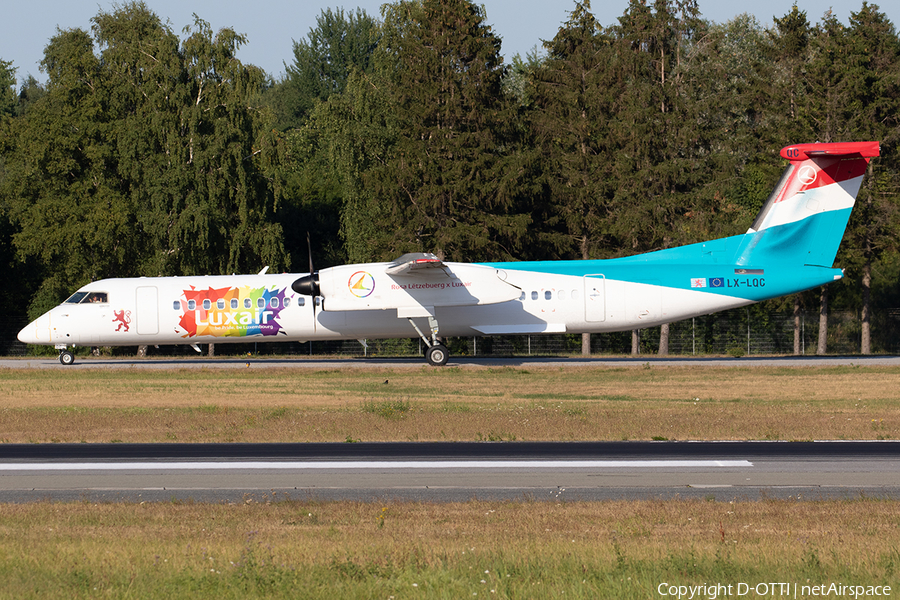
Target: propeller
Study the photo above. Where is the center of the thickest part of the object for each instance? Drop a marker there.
(308, 285)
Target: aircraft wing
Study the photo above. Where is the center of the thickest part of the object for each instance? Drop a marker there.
(412, 284)
(411, 263)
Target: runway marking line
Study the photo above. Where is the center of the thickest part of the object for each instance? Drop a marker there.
(360, 465)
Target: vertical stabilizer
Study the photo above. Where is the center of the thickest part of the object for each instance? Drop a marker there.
(803, 221)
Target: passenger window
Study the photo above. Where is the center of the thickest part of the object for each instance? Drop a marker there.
(220, 304)
(234, 303)
(534, 295)
(207, 304)
(548, 295)
(247, 303)
(192, 304)
(301, 301)
(561, 294)
(261, 303)
(522, 297)
(574, 294)
(274, 303)
(176, 305)
(287, 302)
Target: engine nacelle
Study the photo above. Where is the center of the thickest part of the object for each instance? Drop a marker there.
(371, 287)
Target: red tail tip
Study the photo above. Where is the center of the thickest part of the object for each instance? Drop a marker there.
(799, 152)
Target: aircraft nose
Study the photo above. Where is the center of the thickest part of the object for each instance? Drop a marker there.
(36, 332)
(28, 335)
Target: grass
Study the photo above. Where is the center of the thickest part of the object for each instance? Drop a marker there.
(457, 404)
(296, 549)
(292, 548)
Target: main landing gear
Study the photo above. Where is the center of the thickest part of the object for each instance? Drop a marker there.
(437, 354)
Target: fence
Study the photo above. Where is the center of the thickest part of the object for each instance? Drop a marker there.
(750, 330)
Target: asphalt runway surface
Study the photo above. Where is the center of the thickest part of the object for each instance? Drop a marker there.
(445, 472)
(442, 472)
(455, 361)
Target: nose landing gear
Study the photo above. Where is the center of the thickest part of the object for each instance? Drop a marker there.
(66, 357)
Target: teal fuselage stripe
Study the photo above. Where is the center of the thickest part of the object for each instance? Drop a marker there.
(756, 266)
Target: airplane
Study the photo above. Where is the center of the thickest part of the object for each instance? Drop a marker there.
(790, 247)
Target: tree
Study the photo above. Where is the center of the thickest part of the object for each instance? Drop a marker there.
(7, 89)
(145, 159)
(357, 131)
(789, 54)
(323, 61)
(449, 184)
(871, 71)
(661, 142)
(790, 44)
(30, 92)
(574, 93)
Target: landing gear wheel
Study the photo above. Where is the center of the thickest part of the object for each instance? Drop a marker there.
(66, 358)
(437, 355)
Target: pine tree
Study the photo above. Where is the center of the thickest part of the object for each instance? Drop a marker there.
(575, 93)
(449, 185)
(871, 110)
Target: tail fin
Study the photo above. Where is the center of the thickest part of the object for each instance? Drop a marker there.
(803, 221)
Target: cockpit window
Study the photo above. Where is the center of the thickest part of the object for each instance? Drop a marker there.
(76, 297)
(95, 298)
(88, 298)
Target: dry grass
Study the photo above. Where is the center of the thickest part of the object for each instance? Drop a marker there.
(517, 549)
(292, 548)
(576, 403)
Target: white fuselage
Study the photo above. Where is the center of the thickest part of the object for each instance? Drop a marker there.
(362, 304)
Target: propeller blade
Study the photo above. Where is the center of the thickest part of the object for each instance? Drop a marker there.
(309, 251)
(308, 285)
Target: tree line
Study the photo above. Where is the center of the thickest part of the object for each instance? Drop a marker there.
(147, 153)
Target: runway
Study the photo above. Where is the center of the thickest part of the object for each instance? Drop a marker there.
(302, 362)
(444, 472)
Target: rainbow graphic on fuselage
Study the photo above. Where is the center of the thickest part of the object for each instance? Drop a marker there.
(232, 312)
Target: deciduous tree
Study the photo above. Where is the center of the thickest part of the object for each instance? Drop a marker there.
(145, 156)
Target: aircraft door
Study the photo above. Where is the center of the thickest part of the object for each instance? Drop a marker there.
(594, 298)
(147, 309)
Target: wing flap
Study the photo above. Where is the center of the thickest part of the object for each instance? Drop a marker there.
(520, 329)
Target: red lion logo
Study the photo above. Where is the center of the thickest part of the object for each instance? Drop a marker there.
(123, 318)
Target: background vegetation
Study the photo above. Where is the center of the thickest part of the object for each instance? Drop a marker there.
(149, 153)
